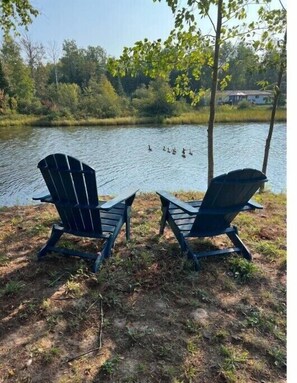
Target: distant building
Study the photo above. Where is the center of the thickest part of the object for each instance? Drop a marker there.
(233, 97)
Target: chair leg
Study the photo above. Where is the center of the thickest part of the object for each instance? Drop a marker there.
(238, 243)
(97, 263)
(105, 253)
(163, 219)
(180, 238)
(128, 217)
(53, 239)
(193, 257)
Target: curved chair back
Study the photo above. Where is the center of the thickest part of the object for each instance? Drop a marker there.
(226, 196)
(73, 189)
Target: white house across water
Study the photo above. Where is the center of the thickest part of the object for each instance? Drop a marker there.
(233, 97)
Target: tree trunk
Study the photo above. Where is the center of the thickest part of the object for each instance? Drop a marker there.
(274, 106)
(214, 82)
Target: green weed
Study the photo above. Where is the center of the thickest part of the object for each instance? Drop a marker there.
(3, 259)
(273, 251)
(12, 288)
(191, 372)
(242, 269)
(192, 327)
(265, 323)
(74, 289)
(51, 354)
(109, 367)
(232, 360)
(38, 229)
(279, 357)
(192, 347)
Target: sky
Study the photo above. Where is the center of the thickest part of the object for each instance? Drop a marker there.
(110, 24)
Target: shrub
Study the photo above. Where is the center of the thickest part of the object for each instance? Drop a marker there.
(244, 104)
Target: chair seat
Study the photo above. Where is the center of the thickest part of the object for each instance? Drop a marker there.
(182, 219)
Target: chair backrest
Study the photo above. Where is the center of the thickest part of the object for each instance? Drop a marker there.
(226, 195)
(72, 185)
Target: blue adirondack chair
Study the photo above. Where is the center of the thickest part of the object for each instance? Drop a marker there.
(72, 189)
(226, 196)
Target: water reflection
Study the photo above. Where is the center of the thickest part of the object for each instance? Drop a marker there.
(121, 157)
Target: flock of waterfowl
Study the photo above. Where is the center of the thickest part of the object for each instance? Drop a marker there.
(173, 151)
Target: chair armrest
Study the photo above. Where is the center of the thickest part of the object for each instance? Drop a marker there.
(254, 204)
(43, 197)
(125, 196)
(182, 205)
(251, 205)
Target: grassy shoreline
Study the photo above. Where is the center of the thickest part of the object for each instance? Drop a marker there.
(223, 115)
(157, 320)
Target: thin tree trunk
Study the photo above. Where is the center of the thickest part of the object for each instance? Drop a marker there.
(56, 75)
(214, 82)
(274, 106)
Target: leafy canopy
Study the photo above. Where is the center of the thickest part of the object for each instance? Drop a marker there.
(188, 50)
(15, 13)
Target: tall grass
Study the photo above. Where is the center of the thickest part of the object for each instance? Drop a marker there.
(223, 114)
(228, 114)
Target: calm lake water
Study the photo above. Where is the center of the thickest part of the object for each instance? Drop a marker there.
(121, 158)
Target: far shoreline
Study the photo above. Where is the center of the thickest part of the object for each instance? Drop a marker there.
(249, 115)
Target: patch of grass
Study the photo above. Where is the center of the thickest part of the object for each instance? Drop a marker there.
(137, 334)
(230, 285)
(12, 288)
(264, 322)
(28, 308)
(73, 289)
(279, 357)
(170, 372)
(112, 299)
(16, 220)
(165, 351)
(232, 361)
(221, 335)
(38, 229)
(272, 250)
(242, 269)
(192, 347)
(143, 229)
(52, 321)
(46, 304)
(3, 259)
(46, 354)
(192, 327)
(56, 276)
(110, 366)
(203, 296)
(51, 354)
(190, 372)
